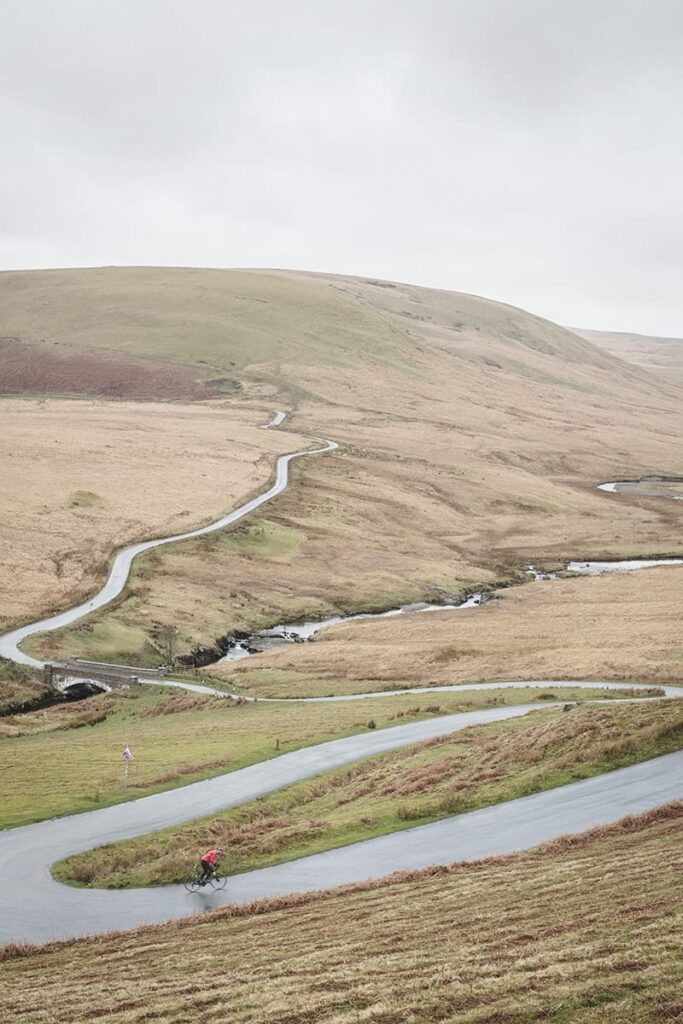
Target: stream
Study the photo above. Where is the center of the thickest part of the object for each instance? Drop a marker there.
(649, 486)
(241, 646)
(235, 646)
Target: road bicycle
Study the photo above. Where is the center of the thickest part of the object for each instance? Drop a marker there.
(213, 883)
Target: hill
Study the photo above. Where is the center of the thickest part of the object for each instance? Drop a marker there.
(473, 435)
(661, 356)
(230, 320)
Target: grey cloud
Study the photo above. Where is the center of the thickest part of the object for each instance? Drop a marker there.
(529, 150)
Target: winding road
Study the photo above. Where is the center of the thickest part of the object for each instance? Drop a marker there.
(120, 570)
(35, 908)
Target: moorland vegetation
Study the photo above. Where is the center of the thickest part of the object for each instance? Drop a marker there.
(472, 436)
(451, 774)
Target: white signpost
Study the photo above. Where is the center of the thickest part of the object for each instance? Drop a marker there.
(126, 757)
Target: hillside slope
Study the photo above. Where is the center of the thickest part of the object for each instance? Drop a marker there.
(473, 435)
(660, 356)
(228, 320)
(586, 930)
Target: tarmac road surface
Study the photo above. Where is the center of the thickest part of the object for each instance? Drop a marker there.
(35, 908)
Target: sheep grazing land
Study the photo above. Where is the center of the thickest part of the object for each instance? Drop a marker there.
(614, 627)
(81, 479)
(470, 445)
(180, 738)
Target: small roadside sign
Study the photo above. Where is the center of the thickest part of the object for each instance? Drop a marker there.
(126, 757)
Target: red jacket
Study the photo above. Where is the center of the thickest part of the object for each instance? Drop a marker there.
(212, 856)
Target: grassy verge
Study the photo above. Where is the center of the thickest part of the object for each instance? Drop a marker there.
(587, 930)
(66, 759)
(20, 687)
(477, 767)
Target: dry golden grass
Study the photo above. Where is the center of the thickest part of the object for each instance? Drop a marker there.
(83, 478)
(478, 767)
(72, 715)
(585, 931)
(20, 688)
(482, 456)
(474, 437)
(620, 627)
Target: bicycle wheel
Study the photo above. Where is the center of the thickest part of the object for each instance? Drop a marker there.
(219, 882)
(192, 885)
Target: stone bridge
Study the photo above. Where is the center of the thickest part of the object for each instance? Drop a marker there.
(89, 676)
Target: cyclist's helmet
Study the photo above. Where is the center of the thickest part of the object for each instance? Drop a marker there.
(219, 849)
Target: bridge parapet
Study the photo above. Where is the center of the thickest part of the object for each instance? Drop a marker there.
(99, 675)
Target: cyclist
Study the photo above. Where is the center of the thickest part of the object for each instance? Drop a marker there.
(209, 863)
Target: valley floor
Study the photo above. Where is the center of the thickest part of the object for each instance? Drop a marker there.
(472, 437)
(619, 627)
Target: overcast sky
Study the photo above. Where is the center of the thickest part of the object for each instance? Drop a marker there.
(526, 150)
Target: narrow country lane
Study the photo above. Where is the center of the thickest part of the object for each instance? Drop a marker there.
(35, 908)
(120, 570)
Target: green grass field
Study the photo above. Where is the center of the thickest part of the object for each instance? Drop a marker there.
(66, 758)
(217, 320)
(477, 767)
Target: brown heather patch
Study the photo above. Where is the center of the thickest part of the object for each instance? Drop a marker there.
(52, 369)
(422, 778)
(555, 934)
(20, 687)
(61, 716)
(177, 704)
(201, 768)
